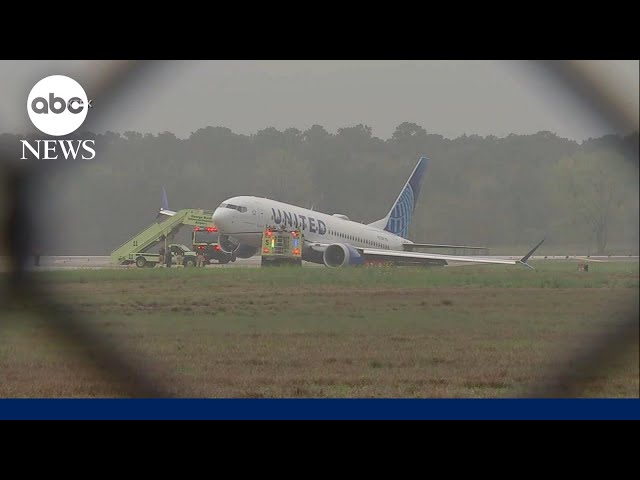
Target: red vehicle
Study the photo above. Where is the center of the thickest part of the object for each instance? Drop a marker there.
(205, 240)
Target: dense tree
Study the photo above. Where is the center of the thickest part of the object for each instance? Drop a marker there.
(597, 187)
(407, 130)
(498, 192)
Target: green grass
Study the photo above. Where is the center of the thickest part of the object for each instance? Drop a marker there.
(550, 274)
(314, 332)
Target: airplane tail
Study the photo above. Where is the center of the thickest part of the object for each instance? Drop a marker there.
(164, 205)
(398, 219)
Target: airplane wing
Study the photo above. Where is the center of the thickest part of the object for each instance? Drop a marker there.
(433, 258)
(413, 246)
(419, 258)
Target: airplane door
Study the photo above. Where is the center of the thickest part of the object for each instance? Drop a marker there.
(259, 216)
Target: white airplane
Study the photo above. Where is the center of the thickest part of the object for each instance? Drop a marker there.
(334, 240)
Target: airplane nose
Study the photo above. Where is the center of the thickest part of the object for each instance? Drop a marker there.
(221, 218)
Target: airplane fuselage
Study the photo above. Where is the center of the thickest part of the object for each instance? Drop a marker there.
(244, 218)
(335, 240)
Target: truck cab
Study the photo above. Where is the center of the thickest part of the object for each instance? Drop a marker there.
(188, 256)
(281, 246)
(205, 240)
(146, 259)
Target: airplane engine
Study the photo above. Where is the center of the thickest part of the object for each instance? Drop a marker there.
(226, 244)
(238, 250)
(342, 255)
(245, 251)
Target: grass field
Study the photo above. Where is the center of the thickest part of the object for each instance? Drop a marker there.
(486, 331)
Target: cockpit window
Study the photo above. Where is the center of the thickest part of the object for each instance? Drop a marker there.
(233, 207)
(237, 207)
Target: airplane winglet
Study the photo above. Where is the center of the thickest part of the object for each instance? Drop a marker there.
(524, 259)
(164, 205)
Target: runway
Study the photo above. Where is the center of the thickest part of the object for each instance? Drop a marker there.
(72, 262)
(95, 262)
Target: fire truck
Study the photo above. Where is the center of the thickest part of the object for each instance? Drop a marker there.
(205, 240)
(136, 250)
(281, 247)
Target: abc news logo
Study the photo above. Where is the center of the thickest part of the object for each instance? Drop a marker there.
(75, 105)
(58, 105)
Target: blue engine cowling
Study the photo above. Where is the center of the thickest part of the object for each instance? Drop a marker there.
(342, 255)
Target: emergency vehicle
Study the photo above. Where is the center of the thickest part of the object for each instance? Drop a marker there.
(205, 241)
(281, 247)
(145, 259)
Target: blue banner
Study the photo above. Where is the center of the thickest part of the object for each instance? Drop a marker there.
(320, 409)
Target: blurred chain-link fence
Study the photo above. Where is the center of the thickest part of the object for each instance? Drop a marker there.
(21, 293)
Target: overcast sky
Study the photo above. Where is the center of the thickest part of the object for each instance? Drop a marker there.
(445, 97)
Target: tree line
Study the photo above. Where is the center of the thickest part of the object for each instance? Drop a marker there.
(496, 192)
